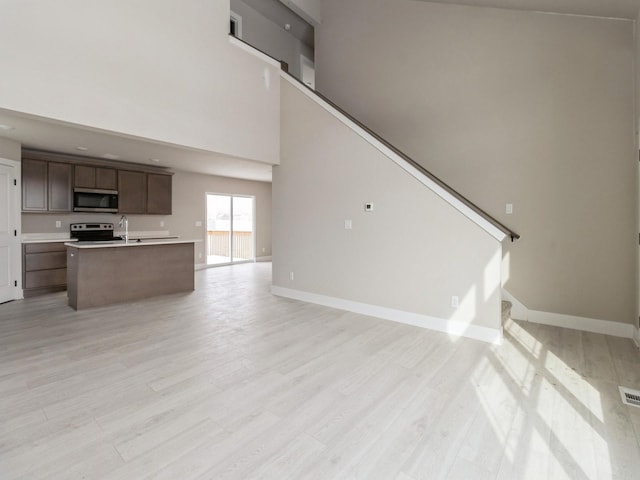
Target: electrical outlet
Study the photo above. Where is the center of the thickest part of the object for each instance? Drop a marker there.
(198, 223)
(162, 223)
(264, 249)
(509, 208)
(368, 207)
(455, 301)
(291, 276)
(58, 224)
(348, 224)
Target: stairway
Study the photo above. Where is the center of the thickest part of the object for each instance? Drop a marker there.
(506, 311)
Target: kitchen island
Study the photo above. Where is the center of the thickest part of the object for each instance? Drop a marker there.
(104, 273)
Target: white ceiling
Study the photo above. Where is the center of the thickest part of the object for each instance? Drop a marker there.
(598, 8)
(44, 134)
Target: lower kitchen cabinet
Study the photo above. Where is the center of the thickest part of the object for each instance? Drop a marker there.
(44, 268)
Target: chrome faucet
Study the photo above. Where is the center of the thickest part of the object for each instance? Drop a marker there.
(124, 222)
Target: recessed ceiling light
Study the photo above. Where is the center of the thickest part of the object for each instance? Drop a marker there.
(82, 149)
(111, 156)
(157, 160)
(6, 127)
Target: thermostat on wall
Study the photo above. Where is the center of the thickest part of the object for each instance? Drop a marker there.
(368, 207)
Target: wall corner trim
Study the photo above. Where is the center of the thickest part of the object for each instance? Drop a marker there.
(585, 324)
(487, 226)
(457, 329)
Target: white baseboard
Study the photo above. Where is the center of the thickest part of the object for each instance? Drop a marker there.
(485, 334)
(593, 325)
(263, 259)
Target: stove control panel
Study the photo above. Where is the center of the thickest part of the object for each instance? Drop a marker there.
(91, 227)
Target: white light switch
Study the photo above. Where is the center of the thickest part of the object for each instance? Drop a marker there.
(198, 223)
(455, 301)
(58, 224)
(348, 225)
(509, 208)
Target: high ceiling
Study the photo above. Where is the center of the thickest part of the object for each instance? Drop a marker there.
(598, 8)
(45, 134)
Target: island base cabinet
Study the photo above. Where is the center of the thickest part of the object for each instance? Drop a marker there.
(109, 275)
(44, 268)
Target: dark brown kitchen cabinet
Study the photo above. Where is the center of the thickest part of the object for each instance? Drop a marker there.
(59, 187)
(34, 185)
(46, 186)
(44, 268)
(48, 180)
(132, 192)
(95, 177)
(158, 194)
(106, 178)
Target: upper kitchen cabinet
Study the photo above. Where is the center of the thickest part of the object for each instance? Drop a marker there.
(158, 194)
(140, 192)
(48, 181)
(34, 185)
(87, 176)
(132, 192)
(46, 186)
(59, 186)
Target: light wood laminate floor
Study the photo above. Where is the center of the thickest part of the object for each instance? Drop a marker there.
(230, 382)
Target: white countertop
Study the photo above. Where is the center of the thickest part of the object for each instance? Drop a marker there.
(64, 237)
(50, 240)
(46, 237)
(130, 243)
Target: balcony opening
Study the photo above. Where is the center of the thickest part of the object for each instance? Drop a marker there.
(230, 229)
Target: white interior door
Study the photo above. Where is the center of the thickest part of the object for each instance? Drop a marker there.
(8, 242)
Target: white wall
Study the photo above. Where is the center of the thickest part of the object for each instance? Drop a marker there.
(508, 107)
(10, 150)
(157, 69)
(189, 191)
(411, 254)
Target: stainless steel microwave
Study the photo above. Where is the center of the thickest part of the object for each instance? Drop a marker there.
(95, 200)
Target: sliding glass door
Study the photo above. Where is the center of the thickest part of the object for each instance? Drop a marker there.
(230, 229)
